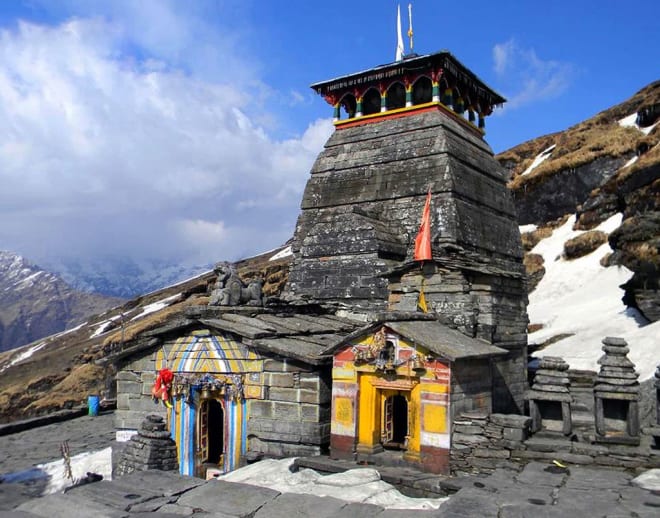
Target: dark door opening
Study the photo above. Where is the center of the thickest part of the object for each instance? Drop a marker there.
(216, 432)
(396, 422)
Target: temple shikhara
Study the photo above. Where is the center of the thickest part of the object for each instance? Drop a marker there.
(405, 304)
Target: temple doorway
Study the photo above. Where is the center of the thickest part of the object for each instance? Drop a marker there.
(394, 426)
(210, 436)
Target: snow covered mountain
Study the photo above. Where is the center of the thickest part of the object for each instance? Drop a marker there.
(123, 277)
(35, 303)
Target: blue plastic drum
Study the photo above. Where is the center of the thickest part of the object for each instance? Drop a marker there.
(93, 405)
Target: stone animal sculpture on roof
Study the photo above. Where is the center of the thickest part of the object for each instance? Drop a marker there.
(230, 290)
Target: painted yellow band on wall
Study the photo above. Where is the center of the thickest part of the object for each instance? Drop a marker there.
(435, 388)
(435, 418)
(344, 411)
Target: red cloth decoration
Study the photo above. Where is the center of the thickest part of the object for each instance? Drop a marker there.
(423, 239)
(163, 384)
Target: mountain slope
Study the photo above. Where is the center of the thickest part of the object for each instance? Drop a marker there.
(61, 370)
(35, 303)
(588, 199)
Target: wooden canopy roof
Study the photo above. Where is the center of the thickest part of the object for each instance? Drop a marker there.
(439, 63)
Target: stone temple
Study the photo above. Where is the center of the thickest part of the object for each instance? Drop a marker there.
(412, 127)
(364, 327)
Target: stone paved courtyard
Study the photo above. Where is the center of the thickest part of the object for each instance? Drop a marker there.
(540, 490)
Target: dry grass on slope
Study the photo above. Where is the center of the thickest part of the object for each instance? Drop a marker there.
(82, 380)
(584, 244)
(156, 319)
(599, 136)
(578, 148)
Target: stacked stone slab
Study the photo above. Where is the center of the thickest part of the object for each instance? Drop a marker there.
(551, 386)
(481, 442)
(293, 419)
(151, 448)
(617, 383)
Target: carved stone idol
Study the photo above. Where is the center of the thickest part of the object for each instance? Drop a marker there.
(230, 290)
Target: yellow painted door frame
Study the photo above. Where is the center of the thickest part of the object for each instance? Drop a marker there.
(414, 428)
(368, 411)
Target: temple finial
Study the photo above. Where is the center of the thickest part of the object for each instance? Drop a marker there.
(399, 42)
(410, 29)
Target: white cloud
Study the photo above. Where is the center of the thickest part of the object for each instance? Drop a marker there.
(106, 152)
(502, 54)
(525, 78)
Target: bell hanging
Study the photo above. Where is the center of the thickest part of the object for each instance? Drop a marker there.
(418, 364)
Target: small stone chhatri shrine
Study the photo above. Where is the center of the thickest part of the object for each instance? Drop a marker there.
(386, 331)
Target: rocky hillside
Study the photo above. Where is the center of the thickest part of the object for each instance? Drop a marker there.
(604, 166)
(35, 303)
(61, 370)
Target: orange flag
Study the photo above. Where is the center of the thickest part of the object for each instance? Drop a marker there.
(423, 239)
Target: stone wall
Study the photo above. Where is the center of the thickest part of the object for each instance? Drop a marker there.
(134, 381)
(481, 443)
(471, 386)
(293, 419)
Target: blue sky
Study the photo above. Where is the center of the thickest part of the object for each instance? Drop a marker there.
(185, 130)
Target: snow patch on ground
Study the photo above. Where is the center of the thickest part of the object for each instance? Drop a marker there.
(539, 159)
(524, 229)
(24, 352)
(79, 326)
(649, 480)
(630, 162)
(98, 462)
(28, 281)
(157, 306)
(355, 485)
(286, 252)
(102, 326)
(24, 355)
(631, 122)
(581, 298)
(648, 129)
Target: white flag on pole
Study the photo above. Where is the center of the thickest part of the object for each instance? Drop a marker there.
(399, 42)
